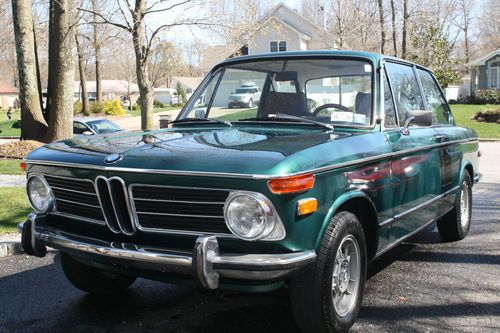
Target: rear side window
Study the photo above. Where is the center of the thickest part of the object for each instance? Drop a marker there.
(434, 99)
(405, 88)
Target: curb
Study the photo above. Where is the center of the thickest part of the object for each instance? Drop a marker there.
(10, 248)
(488, 140)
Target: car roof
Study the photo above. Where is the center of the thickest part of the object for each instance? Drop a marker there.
(372, 56)
(87, 119)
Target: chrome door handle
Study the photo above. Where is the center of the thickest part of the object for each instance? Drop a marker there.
(440, 138)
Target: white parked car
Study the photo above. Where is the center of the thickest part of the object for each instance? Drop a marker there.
(247, 95)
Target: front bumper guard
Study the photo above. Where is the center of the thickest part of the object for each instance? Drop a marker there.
(204, 263)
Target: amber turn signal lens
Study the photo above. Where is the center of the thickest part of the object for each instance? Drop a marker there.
(23, 166)
(291, 184)
(307, 206)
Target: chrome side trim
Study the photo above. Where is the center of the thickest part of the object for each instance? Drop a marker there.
(424, 204)
(405, 237)
(247, 176)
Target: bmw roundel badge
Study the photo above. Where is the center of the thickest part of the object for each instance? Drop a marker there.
(113, 158)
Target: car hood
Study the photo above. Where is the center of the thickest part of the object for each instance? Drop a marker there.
(245, 150)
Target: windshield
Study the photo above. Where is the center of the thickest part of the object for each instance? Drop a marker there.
(330, 91)
(103, 126)
(244, 91)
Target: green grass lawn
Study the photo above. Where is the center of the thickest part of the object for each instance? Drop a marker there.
(14, 208)
(463, 113)
(249, 113)
(6, 125)
(10, 167)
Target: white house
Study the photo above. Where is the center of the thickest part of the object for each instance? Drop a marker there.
(282, 29)
(111, 90)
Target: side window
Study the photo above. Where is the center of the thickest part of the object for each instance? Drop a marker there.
(405, 88)
(433, 98)
(79, 128)
(390, 111)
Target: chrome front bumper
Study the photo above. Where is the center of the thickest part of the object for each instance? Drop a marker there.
(204, 263)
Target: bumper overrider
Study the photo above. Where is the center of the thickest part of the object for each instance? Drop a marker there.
(205, 264)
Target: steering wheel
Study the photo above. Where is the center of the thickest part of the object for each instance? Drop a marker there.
(330, 105)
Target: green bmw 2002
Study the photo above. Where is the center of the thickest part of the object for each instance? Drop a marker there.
(346, 155)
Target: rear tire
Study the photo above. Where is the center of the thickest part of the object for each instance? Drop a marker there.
(455, 225)
(92, 280)
(327, 298)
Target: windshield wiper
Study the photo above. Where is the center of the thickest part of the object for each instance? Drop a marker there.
(195, 120)
(305, 120)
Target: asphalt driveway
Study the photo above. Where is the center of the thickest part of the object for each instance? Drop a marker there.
(423, 285)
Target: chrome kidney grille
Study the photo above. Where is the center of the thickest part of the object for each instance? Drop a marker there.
(149, 208)
(112, 194)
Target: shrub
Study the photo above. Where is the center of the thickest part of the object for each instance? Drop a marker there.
(482, 96)
(136, 107)
(77, 107)
(113, 108)
(97, 107)
(489, 116)
(158, 104)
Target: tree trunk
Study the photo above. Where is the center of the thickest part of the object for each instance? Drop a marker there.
(141, 66)
(61, 48)
(97, 52)
(405, 27)
(394, 38)
(382, 25)
(83, 83)
(33, 125)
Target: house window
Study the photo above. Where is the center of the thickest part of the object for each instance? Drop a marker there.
(495, 75)
(277, 46)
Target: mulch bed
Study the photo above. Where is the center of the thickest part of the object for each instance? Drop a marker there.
(18, 149)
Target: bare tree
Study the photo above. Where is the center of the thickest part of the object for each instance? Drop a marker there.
(81, 71)
(165, 62)
(394, 29)
(61, 66)
(33, 125)
(463, 22)
(405, 29)
(490, 32)
(133, 21)
(382, 25)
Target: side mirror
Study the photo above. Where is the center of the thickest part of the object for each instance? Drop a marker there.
(199, 113)
(87, 133)
(418, 117)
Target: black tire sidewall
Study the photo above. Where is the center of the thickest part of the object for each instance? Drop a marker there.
(349, 226)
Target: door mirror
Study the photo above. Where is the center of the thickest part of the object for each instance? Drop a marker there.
(199, 113)
(418, 117)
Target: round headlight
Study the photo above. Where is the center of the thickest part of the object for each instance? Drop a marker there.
(39, 194)
(250, 216)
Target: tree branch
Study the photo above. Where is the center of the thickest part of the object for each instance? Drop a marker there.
(150, 9)
(105, 20)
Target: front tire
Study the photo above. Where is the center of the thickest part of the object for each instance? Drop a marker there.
(92, 280)
(455, 225)
(327, 298)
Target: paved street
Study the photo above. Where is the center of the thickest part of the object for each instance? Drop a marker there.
(423, 285)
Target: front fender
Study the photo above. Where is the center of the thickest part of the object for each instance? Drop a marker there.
(334, 208)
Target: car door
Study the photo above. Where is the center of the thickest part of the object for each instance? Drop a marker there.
(415, 162)
(442, 121)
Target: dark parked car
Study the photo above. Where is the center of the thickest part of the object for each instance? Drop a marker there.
(346, 155)
(93, 126)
